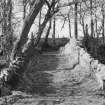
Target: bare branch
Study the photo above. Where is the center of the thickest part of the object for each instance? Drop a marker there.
(48, 4)
(70, 3)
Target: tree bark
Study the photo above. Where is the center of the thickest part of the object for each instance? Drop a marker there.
(103, 26)
(76, 24)
(4, 25)
(92, 25)
(22, 51)
(26, 27)
(86, 30)
(69, 25)
(47, 34)
(54, 25)
(9, 28)
(24, 9)
(42, 26)
(96, 25)
(82, 20)
(40, 13)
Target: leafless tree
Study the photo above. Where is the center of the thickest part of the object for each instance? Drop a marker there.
(23, 50)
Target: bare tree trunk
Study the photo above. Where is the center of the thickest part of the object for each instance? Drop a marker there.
(24, 9)
(103, 23)
(54, 25)
(92, 25)
(4, 25)
(47, 34)
(22, 51)
(53, 36)
(69, 25)
(96, 35)
(96, 25)
(76, 24)
(42, 26)
(40, 18)
(82, 21)
(9, 27)
(83, 26)
(26, 27)
(86, 32)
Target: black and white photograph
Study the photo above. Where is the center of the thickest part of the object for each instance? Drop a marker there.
(52, 52)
